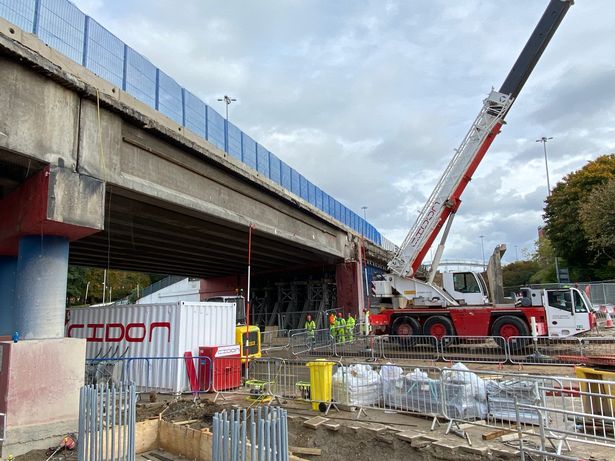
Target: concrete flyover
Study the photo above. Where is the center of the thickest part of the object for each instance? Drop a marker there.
(145, 193)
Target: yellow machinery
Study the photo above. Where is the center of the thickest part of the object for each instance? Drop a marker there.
(249, 340)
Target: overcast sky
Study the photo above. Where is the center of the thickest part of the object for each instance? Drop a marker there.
(368, 99)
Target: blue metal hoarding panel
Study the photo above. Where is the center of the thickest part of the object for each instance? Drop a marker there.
(311, 193)
(169, 97)
(295, 178)
(304, 188)
(249, 150)
(274, 168)
(319, 198)
(286, 176)
(262, 160)
(234, 141)
(140, 78)
(215, 128)
(18, 12)
(196, 114)
(62, 26)
(105, 56)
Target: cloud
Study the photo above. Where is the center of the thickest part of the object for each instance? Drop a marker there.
(369, 99)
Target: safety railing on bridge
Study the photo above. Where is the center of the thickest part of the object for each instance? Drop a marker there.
(63, 26)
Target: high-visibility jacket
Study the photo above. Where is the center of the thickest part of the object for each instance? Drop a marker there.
(310, 325)
(331, 319)
(350, 323)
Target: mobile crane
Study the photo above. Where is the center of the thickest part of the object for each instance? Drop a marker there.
(416, 307)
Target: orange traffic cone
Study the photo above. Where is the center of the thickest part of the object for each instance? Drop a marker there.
(609, 321)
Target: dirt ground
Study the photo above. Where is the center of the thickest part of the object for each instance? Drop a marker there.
(181, 410)
(42, 455)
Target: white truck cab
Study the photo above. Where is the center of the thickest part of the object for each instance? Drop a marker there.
(568, 310)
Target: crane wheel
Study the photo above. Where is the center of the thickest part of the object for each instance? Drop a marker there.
(507, 327)
(404, 328)
(439, 326)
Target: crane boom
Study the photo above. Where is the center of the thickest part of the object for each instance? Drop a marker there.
(446, 197)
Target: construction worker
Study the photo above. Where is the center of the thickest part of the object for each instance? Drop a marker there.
(340, 328)
(310, 327)
(332, 325)
(350, 323)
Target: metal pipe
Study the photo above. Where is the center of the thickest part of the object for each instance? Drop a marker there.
(234, 438)
(252, 438)
(244, 448)
(227, 430)
(214, 428)
(267, 440)
(113, 422)
(261, 438)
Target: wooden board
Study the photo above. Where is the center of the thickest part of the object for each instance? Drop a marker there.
(306, 451)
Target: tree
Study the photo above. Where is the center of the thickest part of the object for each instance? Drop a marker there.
(119, 284)
(563, 216)
(518, 274)
(598, 219)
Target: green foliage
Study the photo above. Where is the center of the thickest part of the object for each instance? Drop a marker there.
(564, 226)
(598, 219)
(119, 285)
(519, 273)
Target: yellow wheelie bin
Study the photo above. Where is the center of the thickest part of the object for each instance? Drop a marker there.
(601, 404)
(321, 375)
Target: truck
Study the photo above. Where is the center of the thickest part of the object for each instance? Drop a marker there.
(459, 307)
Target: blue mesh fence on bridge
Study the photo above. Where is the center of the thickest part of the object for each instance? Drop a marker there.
(64, 27)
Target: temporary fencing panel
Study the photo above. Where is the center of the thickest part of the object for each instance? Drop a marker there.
(423, 348)
(541, 350)
(485, 349)
(260, 434)
(107, 423)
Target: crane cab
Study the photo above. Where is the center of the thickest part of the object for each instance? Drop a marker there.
(467, 288)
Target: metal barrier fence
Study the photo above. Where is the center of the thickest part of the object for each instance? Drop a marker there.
(423, 348)
(107, 419)
(262, 433)
(160, 374)
(519, 350)
(273, 340)
(545, 351)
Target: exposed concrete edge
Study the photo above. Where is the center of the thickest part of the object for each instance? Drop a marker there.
(22, 439)
(29, 48)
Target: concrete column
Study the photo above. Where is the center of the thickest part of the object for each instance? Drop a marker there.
(8, 269)
(40, 289)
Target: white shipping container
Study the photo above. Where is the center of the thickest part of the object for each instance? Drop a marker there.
(153, 337)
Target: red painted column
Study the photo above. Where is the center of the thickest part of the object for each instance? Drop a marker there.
(347, 280)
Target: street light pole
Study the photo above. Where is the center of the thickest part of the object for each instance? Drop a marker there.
(482, 246)
(544, 140)
(364, 208)
(227, 100)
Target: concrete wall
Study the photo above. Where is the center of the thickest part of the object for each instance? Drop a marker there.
(39, 391)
